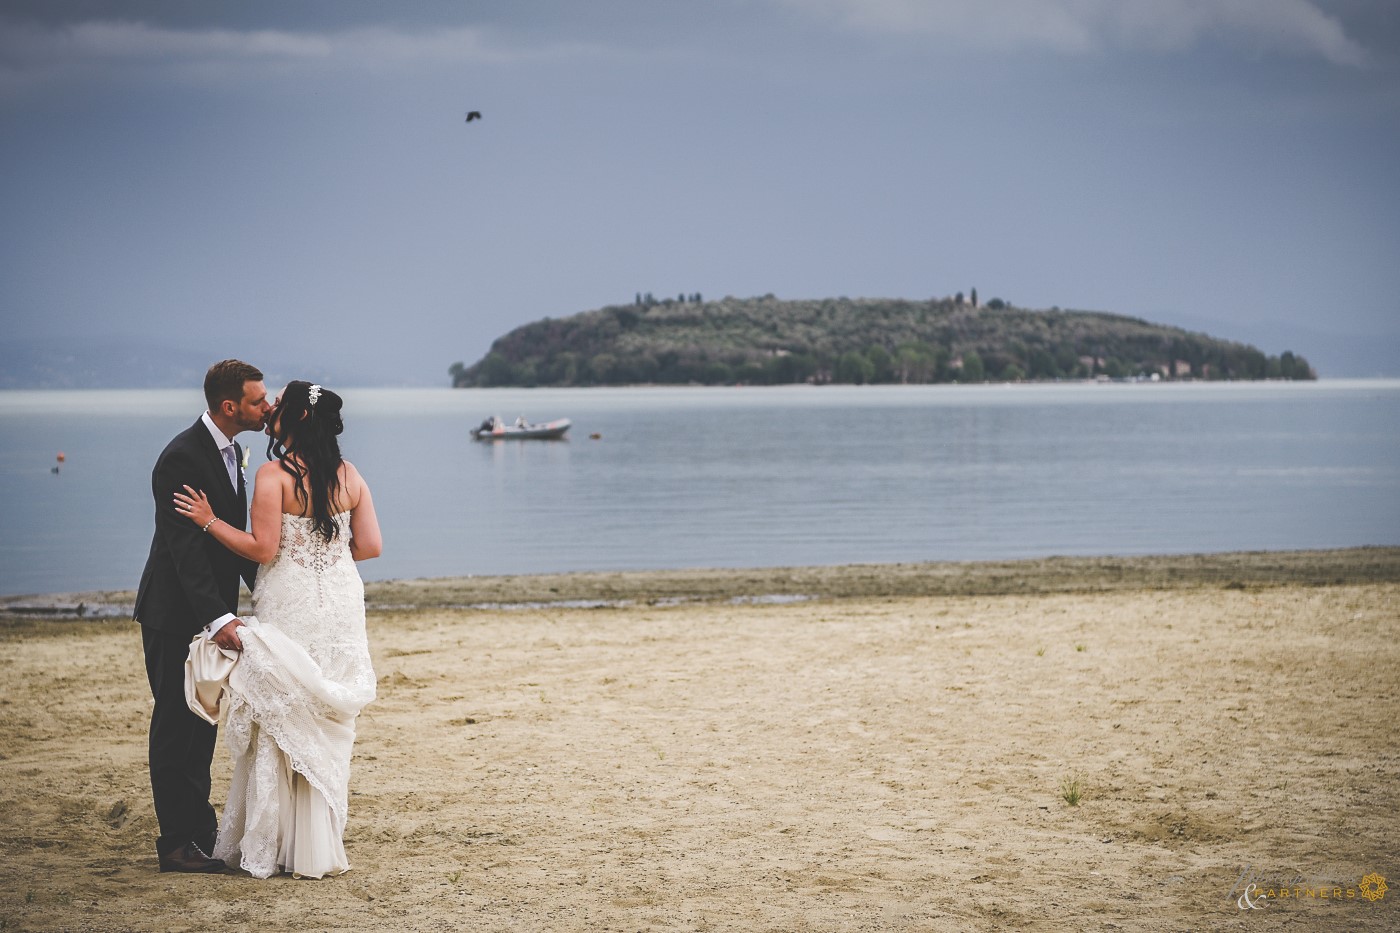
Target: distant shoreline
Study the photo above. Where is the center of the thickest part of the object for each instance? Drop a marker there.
(193, 388)
(1033, 576)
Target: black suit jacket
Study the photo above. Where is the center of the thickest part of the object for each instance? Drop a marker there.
(190, 578)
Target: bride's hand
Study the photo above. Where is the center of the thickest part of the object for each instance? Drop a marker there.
(194, 505)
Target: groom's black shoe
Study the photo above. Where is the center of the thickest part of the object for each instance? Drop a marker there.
(192, 859)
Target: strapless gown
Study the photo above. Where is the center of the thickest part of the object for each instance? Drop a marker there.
(290, 712)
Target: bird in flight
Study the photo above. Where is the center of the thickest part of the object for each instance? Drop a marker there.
(474, 115)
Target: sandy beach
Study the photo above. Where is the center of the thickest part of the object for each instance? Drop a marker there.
(1067, 744)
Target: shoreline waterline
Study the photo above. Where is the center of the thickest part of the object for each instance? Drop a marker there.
(619, 589)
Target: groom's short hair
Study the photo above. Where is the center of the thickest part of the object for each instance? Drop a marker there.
(224, 381)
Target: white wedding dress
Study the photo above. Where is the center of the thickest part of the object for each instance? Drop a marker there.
(301, 680)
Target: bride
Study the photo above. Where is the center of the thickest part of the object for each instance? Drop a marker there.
(304, 671)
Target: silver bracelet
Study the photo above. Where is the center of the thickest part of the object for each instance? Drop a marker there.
(210, 522)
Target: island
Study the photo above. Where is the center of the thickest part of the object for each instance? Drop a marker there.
(768, 341)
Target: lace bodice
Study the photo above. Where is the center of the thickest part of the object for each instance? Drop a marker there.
(311, 589)
(301, 545)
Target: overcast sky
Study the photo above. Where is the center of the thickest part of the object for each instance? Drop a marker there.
(295, 181)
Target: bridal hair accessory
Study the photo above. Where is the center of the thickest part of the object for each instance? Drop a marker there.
(312, 394)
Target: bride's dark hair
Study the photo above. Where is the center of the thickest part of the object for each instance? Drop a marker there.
(305, 430)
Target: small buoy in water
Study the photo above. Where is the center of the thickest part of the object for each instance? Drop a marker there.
(53, 470)
(61, 458)
(596, 437)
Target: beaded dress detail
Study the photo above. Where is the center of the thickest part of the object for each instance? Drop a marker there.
(291, 725)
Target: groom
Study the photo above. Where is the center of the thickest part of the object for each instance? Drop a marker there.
(191, 585)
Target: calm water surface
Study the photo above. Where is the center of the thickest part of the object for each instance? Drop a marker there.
(726, 477)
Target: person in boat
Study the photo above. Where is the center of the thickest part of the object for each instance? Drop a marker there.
(520, 422)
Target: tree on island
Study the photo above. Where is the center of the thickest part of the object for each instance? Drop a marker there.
(972, 369)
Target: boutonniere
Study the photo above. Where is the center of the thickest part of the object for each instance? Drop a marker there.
(244, 465)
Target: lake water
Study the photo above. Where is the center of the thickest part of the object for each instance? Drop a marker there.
(731, 477)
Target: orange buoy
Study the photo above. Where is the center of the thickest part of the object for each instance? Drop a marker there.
(61, 458)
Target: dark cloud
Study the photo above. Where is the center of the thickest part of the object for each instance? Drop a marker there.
(1375, 24)
(546, 17)
(1088, 27)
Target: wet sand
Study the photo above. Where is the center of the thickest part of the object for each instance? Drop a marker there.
(857, 748)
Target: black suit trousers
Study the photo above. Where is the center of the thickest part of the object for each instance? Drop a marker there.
(181, 748)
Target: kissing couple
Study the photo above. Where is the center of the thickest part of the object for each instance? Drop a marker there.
(290, 679)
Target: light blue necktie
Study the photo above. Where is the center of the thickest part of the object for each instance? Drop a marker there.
(231, 461)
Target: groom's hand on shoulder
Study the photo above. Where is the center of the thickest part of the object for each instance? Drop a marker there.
(227, 637)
